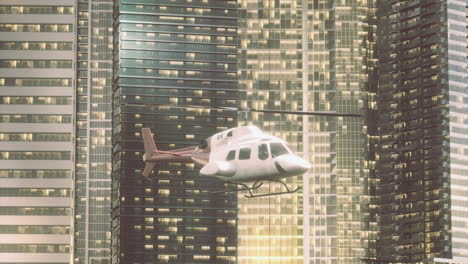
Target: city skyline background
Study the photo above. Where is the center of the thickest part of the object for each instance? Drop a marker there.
(79, 79)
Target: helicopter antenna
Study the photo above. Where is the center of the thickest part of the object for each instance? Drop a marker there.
(243, 109)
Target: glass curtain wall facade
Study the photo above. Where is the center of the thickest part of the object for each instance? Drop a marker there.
(36, 130)
(270, 70)
(93, 132)
(169, 56)
(309, 56)
(457, 11)
(421, 162)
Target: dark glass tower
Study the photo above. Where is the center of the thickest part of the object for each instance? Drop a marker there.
(421, 155)
(178, 53)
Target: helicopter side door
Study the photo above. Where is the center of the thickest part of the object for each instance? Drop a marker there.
(254, 162)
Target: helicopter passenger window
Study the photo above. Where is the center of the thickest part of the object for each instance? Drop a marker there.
(244, 153)
(278, 149)
(229, 134)
(231, 155)
(263, 151)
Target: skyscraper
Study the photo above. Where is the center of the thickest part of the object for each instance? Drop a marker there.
(36, 131)
(309, 56)
(170, 55)
(55, 89)
(422, 152)
(457, 54)
(93, 132)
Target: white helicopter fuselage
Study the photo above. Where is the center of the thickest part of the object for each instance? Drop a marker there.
(238, 155)
(246, 154)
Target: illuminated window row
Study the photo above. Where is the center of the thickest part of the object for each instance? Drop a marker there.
(35, 174)
(179, 84)
(182, 30)
(30, 118)
(35, 137)
(155, 9)
(34, 45)
(184, 41)
(35, 229)
(181, 73)
(179, 64)
(35, 155)
(194, 20)
(52, 100)
(32, 248)
(27, 192)
(177, 35)
(187, 94)
(51, 211)
(61, 10)
(186, 55)
(51, 64)
(36, 27)
(54, 82)
(175, 46)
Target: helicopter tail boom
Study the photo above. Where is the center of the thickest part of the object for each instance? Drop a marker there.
(153, 156)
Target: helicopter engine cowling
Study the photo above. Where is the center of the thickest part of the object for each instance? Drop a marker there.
(218, 168)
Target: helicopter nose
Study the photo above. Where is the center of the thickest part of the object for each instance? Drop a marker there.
(292, 165)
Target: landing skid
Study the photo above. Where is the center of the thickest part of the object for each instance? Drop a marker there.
(257, 185)
(251, 195)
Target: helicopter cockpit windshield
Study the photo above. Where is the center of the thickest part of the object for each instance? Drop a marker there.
(278, 149)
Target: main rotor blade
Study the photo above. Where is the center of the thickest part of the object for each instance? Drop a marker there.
(253, 110)
(303, 113)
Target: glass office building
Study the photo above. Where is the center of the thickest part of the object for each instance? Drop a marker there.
(309, 56)
(37, 40)
(170, 56)
(422, 154)
(93, 132)
(457, 55)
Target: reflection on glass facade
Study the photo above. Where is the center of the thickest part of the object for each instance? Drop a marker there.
(36, 131)
(179, 53)
(93, 132)
(421, 165)
(310, 56)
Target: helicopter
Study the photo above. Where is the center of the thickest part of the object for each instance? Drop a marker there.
(236, 156)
